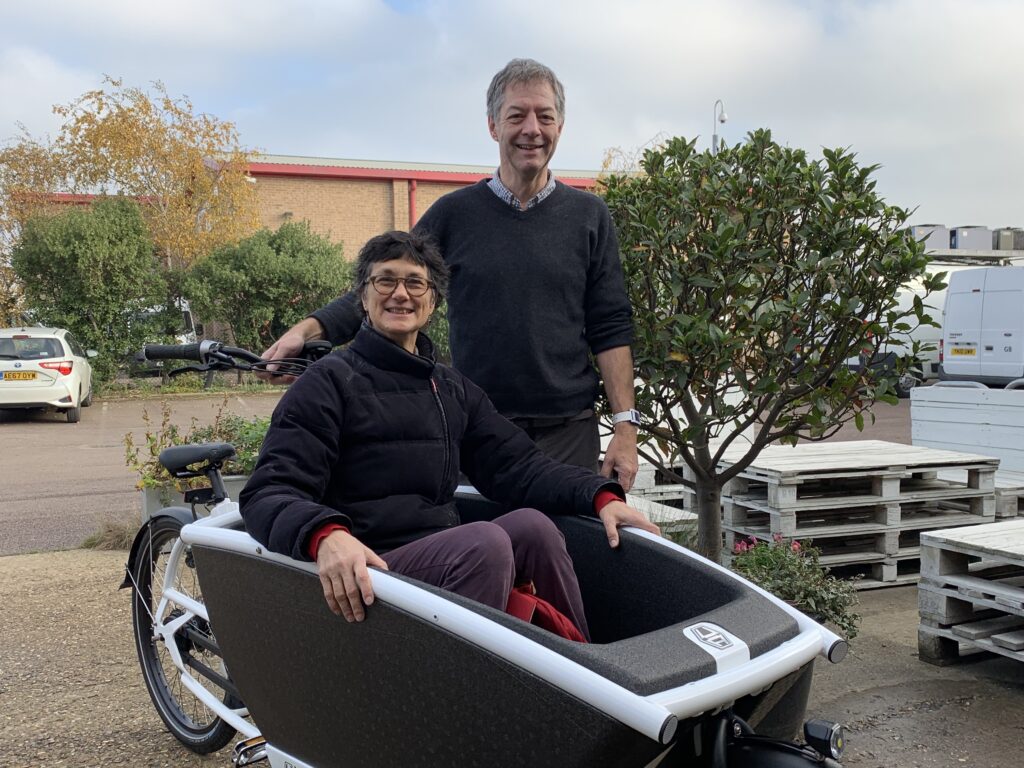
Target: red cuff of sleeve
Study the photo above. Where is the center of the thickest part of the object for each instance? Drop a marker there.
(322, 533)
(603, 498)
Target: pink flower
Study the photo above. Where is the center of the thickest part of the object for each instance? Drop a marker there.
(740, 546)
(795, 546)
(777, 538)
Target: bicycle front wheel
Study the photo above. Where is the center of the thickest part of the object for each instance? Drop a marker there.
(193, 723)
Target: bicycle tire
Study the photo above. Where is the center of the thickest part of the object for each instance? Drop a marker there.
(190, 721)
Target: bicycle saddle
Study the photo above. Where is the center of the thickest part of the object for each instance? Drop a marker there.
(178, 459)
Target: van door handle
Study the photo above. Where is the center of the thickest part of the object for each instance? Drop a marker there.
(988, 348)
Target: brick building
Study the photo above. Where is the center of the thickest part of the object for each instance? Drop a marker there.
(352, 200)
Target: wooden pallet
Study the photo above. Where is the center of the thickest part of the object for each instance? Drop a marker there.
(863, 503)
(762, 521)
(971, 593)
(848, 459)
(1009, 490)
(651, 483)
(669, 518)
(844, 489)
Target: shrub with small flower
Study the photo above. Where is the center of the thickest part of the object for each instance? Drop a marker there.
(793, 571)
(246, 435)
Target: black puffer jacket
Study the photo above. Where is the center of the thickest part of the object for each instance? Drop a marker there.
(374, 438)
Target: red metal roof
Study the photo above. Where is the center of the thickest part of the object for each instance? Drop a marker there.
(359, 169)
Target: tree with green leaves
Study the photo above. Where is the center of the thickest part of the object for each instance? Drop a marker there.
(755, 274)
(188, 172)
(267, 282)
(93, 271)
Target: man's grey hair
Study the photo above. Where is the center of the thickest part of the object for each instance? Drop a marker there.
(520, 71)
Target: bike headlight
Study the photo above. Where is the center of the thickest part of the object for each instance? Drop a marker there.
(825, 736)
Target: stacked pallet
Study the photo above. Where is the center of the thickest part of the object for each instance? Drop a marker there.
(863, 503)
(971, 593)
(1009, 489)
(652, 484)
(670, 519)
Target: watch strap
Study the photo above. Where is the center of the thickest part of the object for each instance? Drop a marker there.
(632, 416)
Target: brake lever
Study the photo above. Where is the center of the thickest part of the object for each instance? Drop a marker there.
(191, 369)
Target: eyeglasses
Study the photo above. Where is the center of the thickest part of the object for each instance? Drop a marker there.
(385, 285)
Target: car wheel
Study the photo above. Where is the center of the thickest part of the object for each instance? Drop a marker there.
(74, 414)
(88, 400)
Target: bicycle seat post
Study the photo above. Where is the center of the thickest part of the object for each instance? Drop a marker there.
(216, 483)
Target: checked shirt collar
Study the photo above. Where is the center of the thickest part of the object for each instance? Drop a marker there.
(505, 193)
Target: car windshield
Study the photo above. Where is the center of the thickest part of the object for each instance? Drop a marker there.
(30, 348)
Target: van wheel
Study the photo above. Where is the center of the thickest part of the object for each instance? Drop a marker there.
(905, 383)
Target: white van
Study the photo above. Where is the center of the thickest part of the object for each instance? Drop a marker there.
(983, 326)
(926, 367)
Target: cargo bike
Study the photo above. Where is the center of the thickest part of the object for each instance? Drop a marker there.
(690, 664)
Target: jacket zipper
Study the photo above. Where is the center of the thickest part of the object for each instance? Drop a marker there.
(447, 440)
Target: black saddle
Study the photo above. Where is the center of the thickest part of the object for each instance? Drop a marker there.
(178, 459)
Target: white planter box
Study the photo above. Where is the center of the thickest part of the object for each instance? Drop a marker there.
(155, 499)
(989, 422)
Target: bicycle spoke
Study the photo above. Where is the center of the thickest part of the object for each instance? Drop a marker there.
(190, 720)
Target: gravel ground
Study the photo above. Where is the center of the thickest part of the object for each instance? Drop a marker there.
(71, 693)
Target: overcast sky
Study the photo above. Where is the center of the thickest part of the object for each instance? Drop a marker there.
(930, 89)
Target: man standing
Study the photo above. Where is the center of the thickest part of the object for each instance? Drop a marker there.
(536, 286)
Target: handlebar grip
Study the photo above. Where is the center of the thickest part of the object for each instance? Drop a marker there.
(314, 350)
(172, 352)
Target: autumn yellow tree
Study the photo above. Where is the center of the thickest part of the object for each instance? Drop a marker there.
(29, 175)
(187, 171)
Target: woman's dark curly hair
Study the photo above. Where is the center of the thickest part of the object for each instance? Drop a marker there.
(396, 244)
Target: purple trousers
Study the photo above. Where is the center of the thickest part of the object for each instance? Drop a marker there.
(483, 561)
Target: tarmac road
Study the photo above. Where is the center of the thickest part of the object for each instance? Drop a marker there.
(58, 481)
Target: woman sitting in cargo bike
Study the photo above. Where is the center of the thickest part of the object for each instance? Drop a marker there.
(363, 457)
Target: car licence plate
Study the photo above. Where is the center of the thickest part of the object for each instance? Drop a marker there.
(963, 351)
(17, 375)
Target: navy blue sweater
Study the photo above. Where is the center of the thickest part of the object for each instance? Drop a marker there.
(533, 294)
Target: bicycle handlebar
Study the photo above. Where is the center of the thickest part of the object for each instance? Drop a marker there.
(171, 352)
(213, 355)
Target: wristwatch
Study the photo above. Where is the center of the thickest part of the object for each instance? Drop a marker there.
(632, 416)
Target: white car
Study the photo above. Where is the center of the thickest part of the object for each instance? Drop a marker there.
(44, 368)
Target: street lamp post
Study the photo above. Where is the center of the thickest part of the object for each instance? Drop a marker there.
(720, 117)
